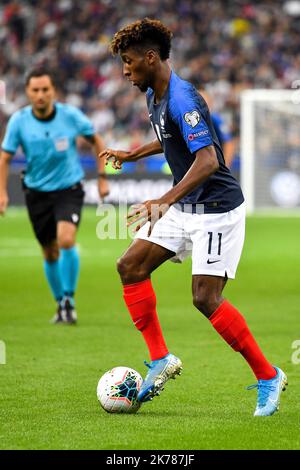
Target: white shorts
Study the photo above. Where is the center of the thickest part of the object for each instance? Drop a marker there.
(215, 241)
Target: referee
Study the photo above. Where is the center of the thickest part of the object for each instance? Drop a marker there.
(47, 131)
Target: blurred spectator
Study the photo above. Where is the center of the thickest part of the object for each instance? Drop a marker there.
(222, 128)
(225, 46)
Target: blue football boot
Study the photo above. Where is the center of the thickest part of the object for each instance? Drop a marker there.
(268, 393)
(159, 372)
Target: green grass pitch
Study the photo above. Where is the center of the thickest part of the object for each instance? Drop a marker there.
(48, 385)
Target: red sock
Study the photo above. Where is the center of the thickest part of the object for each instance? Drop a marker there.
(141, 302)
(231, 325)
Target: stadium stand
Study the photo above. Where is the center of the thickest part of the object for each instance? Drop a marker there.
(225, 46)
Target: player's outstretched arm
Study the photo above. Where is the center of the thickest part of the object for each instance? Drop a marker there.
(205, 164)
(4, 169)
(98, 144)
(118, 157)
(229, 150)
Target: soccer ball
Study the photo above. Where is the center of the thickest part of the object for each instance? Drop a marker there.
(117, 390)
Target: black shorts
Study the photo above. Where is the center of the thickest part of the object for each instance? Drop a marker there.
(45, 209)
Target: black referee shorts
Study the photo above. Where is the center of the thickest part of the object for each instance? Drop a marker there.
(46, 209)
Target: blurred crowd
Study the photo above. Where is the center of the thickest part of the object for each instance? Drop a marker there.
(222, 46)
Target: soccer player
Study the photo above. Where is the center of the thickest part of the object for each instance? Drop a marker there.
(203, 214)
(47, 131)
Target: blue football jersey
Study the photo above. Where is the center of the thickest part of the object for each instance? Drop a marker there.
(182, 123)
(49, 146)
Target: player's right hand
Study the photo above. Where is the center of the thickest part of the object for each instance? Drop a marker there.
(116, 157)
(3, 202)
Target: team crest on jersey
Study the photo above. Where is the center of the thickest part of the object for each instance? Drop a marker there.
(192, 118)
(62, 144)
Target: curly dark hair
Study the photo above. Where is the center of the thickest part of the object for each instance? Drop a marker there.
(143, 34)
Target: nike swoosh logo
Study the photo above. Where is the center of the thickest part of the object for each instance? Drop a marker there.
(212, 262)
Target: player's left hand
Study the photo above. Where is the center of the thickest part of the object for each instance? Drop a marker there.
(149, 211)
(116, 157)
(103, 187)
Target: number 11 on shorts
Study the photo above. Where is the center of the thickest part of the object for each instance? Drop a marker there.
(210, 240)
